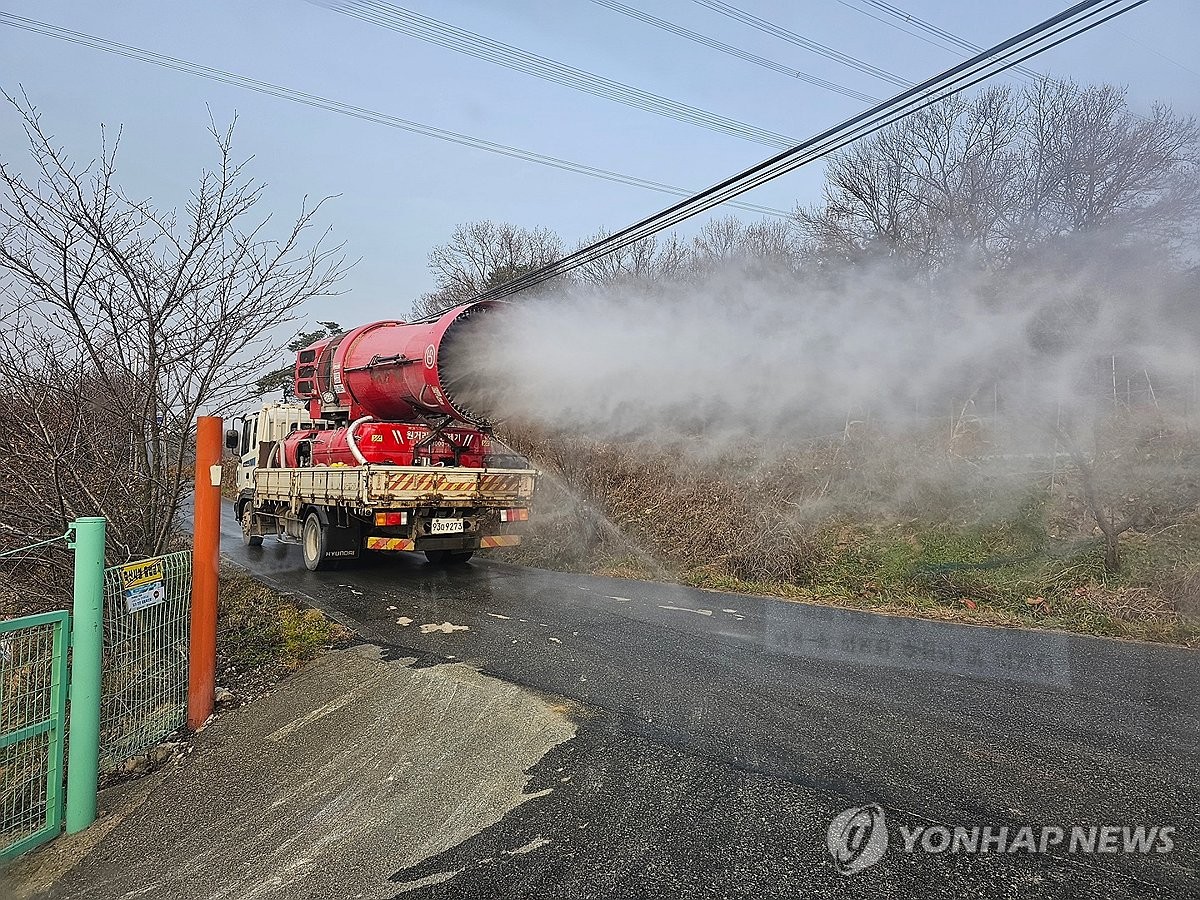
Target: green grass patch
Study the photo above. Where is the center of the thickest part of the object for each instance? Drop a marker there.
(1004, 573)
(265, 631)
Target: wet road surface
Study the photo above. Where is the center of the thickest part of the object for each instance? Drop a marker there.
(719, 735)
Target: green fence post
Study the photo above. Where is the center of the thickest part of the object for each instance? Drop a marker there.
(87, 634)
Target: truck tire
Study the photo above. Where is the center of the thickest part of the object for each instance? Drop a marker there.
(245, 511)
(448, 557)
(314, 540)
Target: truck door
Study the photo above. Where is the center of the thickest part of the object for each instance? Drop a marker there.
(248, 454)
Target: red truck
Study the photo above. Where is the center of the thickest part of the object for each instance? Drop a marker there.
(381, 452)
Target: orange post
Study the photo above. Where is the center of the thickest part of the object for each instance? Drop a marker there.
(206, 556)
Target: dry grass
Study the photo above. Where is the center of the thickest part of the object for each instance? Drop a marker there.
(263, 634)
(860, 521)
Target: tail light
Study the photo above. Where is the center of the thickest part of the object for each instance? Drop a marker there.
(392, 518)
(514, 515)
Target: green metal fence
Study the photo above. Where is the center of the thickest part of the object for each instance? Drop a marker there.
(147, 608)
(127, 642)
(33, 691)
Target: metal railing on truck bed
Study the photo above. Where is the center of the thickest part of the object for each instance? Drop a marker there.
(370, 486)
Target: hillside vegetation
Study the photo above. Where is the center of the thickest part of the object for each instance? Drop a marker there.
(850, 523)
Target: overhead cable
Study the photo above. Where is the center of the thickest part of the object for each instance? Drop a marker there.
(346, 109)
(405, 21)
(740, 15)
(1056, 30)
(731, 50)
(944, 37)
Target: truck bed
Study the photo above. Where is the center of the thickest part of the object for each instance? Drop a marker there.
(372, 486)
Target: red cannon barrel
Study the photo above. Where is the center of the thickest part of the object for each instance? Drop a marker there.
(392, 370)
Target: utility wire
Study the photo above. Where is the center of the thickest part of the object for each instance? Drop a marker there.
(958, 44)
(800, 40)
(731, 50)
(345, 109)
(947, 37)
(404, 21)
(941, 45)
(903, 15)
(1157, 52)
(1068, 24)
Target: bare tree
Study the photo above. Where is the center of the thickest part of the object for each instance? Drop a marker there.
(123, 321)
(1089, 162)
(1137, 471)
(718, 244)
(651, 259)
(483, 255)
(770, 246)
(1004, 171)
(869, 208)
(727, 244)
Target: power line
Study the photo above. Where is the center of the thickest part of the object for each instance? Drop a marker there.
(714, 44)
(1157, 52)
(1068, 24)
(941, 45)
(800, 40)
(904, 16)
(404, 21)
(345, 109)
(956, 42)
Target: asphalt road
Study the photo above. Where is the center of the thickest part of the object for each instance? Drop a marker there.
(718, 736)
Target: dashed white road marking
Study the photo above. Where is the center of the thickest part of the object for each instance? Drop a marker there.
(699, 612)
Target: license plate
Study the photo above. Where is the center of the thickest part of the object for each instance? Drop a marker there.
(446, 526)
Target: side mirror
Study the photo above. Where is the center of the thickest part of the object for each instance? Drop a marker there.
(231, 439)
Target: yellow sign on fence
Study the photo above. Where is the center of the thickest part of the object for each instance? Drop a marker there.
(143, 584)
(143, 572)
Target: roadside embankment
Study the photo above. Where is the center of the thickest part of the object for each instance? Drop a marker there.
(859, 521)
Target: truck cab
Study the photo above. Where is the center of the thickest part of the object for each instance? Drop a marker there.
(254, 437)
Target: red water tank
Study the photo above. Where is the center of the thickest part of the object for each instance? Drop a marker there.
(387, 443)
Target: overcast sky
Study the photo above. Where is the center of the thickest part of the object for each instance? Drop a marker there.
(400, 193)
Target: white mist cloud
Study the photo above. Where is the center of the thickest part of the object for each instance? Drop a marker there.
(781, 358)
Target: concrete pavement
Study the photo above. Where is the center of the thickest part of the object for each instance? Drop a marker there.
(333, 785)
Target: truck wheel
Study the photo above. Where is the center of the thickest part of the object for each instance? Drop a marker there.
(247, 514)
(448, 557)
(315, 542)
